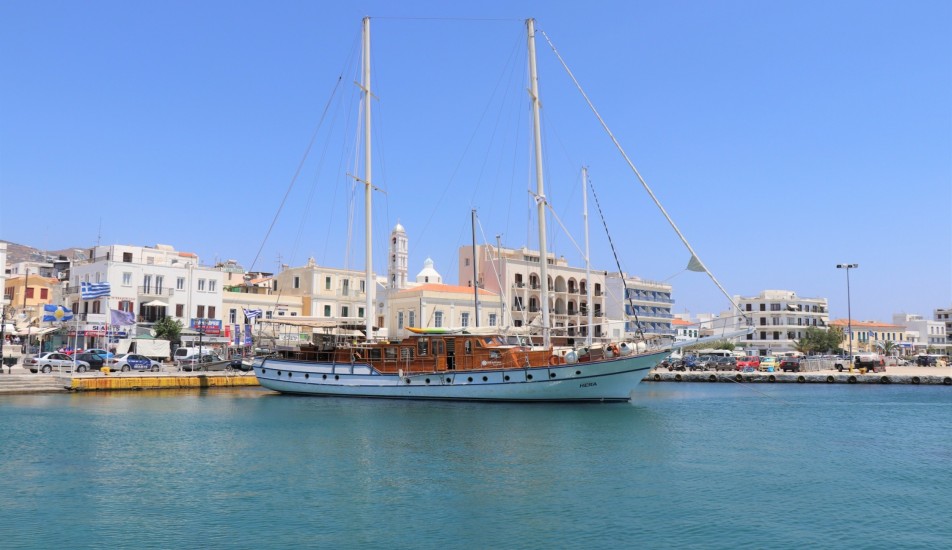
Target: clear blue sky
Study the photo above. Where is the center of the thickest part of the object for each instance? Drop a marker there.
(783, 137)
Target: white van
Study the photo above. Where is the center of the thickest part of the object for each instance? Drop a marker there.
(183, 352)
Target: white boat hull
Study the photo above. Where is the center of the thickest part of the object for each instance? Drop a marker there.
(609, 380)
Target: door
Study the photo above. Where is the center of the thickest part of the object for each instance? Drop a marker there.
(451, 354)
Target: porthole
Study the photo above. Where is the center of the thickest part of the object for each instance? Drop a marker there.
(264, 371)
(407, 380)
(290, 375)
(470, 379)
(324, 377)
(578, 372)
(528, 377)
(506, 378)
(279, 373)
(427, 380)
(485, 379)
(551, 375)
(336, 377)
(448, 380)
(306, 376)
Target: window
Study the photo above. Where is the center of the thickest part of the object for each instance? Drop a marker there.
(201, 285)
(29, 292)
(406, 354)
(363, 285)
(179, 310)
(360, 312)
(159, 283)
(464, 319)
(468, 347)
(492, 319)
(180, 283)
(297, 282)
(438, 319)
(763, 307)
(411, 321)
(200, 311)
(127, 279)
(127, 257)
(327, 311)
(423, 346)
(211, 285)
(467, 261)
(96, 308)
(211, 312)
(44, 293)
(125, 305)
(327, 283)
(344, 311)
(147, 283)
(399, 319)
(232, 315)
(268, 314)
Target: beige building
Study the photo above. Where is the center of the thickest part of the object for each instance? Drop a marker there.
(436, 305)
(328, 293)
(869, 336)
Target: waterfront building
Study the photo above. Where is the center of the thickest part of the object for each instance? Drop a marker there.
(26, 294)
(684, 330)
(514, 276)
(780, 318)
(944, 315)
(327, 293)
(933, 336)
(871, 336)
(436, 305)
(151, 283)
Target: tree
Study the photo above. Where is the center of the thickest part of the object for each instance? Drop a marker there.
(168, 328)
(817, 340)
(719, 344)
(887, 347)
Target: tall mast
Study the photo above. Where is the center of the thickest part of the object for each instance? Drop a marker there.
(540, 187)
(368, 189)
(588, 264)
(475, 280)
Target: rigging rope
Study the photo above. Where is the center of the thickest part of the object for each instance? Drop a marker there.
(644, 184)
(611, 243)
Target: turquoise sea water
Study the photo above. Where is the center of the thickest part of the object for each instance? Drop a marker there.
(685, 466)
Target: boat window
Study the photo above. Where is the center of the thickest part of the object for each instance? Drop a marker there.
(422, 345)
(375, 353)
(468, 347)
(488, 340)
(390, 354)
(438, 348)
(406, 353)
(494, 354)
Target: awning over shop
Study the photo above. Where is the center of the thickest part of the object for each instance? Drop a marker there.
(156, 303)
(36, 331)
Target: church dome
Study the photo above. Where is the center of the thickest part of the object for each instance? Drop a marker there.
(399, 228)
(429, 274)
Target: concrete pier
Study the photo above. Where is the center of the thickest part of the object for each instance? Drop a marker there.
(927, 376)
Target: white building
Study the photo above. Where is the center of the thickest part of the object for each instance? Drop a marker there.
(151, 283)
(932, 333)
(780, 317)
(944, 315)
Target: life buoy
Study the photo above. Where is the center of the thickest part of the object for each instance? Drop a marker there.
(554, 360)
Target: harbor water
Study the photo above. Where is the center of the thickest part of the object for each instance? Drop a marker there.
(683, 466)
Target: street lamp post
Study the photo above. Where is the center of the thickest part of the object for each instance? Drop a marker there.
(849, 312)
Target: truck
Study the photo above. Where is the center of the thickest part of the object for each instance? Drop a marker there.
(872, 362)
(152, 348)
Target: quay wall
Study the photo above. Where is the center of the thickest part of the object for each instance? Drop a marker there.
(111, 383)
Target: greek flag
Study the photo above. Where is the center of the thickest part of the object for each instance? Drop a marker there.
(56, 313)
(94, 290)
(252, 313)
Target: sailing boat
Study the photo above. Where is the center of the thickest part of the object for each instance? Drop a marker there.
(474, 364)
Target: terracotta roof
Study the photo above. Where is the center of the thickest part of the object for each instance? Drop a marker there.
(188, 254)
(681, 322)
(437, 287)
(866, 324)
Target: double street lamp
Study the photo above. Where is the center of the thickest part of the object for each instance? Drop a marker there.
(849, 313)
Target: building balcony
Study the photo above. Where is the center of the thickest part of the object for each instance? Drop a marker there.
(154, 291)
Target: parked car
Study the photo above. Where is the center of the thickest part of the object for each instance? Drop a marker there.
(873, 362)
(769, 362)
(247, 365)
(105, 354)
(202, 362)
(49, 361)
(748, 362)
(704, 362)
(133, 361)
(790, 364)
(725, 363)
(95, 361)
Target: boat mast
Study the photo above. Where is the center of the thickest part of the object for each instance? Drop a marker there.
(588, 266)
(540, 187)
(475, 281)
(368, 189)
